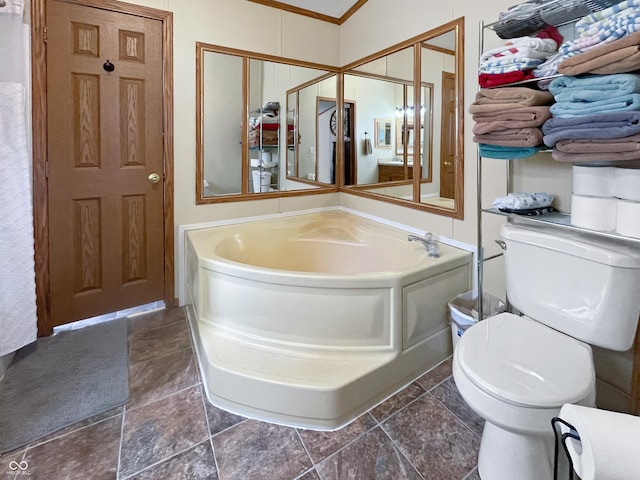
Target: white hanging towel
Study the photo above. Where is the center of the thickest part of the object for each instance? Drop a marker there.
(18, 321)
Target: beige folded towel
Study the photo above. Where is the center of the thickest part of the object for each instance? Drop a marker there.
(524, 117)
(619, 56)
(600, 146)
(512, 137)
(513, 95)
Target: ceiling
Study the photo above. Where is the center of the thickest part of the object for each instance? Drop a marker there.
(333, 11)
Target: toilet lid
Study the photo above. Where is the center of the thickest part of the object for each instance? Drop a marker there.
(526, 363)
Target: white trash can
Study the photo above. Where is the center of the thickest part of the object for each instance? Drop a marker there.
(463, 312)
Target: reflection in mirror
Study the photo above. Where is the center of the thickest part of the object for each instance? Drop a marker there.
(222, 145)
(439, 68)
(425, 164)
(383, 130)
(312, 107)
(254, 112)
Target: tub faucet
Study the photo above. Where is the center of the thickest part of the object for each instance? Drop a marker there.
(429, 242)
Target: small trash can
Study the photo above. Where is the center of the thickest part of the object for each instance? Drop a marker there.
(463, 311)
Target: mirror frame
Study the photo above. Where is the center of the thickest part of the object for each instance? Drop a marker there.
(417, 42)
(201, 49)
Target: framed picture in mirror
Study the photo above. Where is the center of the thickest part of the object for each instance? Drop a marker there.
(383, 128)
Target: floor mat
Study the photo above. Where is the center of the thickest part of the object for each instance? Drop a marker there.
(62, 379)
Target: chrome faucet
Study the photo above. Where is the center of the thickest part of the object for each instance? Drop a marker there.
(429, 242)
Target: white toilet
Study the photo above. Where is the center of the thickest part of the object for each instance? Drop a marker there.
(517, 372)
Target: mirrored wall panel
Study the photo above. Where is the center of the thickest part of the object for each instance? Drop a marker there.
(258, 127)
(409, 102)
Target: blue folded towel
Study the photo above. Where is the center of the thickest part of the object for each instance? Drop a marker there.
(604, 125)
(589, 88)
(624, 103)
(506, 153)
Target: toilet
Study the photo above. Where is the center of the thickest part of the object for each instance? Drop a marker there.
(518, 371)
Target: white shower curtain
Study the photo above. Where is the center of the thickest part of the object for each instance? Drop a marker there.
(17, 270)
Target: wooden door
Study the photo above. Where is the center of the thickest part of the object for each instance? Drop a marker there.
(448, 136)
(106, 236)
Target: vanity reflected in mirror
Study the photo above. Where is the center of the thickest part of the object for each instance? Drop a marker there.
(259, 130)
(425, 164)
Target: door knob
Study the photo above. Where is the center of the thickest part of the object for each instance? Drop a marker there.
(154, 178)
(447, 164)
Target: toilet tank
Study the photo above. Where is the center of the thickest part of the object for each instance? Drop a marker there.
(585, 286)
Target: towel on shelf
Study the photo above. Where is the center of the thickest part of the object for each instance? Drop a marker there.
(488, 80)
(523, 117)
(512, 137)
(530, 47)
(593, 20)
(604, 125)
(591, 88)
(521, 96)
(523, 201)
(605, 26)
(607, 58)
(549, 67)
(512, 64)
(597, 150)
(600, 145)
(622, 103)
(506, 153)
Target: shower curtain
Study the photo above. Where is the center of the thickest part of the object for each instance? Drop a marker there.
(18, 325)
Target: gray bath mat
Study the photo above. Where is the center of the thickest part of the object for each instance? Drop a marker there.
(59, 380)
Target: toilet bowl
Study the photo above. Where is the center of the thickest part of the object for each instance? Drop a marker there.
(517, 374)
(518, 371)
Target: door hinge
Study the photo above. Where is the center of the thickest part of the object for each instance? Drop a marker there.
(45, 38)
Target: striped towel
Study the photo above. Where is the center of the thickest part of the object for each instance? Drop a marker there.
(586, 22)
(507, 65)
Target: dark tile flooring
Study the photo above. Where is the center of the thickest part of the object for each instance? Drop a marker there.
(168, 430)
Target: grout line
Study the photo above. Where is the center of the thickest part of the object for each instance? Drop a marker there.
(313, 463)
(460, 420)
(165, 396)
(184, 450)
(397, 447)
(215, 458)
(124, 408)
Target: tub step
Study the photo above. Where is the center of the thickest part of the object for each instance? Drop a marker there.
(318, 371)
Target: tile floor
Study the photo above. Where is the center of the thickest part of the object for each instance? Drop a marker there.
(168, 430)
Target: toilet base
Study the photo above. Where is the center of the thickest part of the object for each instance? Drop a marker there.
(505, 454)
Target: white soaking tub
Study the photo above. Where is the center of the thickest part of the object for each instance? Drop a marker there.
(311, 320)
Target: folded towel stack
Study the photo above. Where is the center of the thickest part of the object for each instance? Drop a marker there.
(515, 60)
(596, 118)
(510, 118)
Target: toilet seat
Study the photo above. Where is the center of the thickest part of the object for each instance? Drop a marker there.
(525, 363)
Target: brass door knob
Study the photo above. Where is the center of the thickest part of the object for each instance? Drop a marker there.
(447, 164)
(154, 178)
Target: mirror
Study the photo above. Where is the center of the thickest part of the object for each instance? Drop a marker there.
(382, 138)
(257, 124)
(425, 164)
(312, 108)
